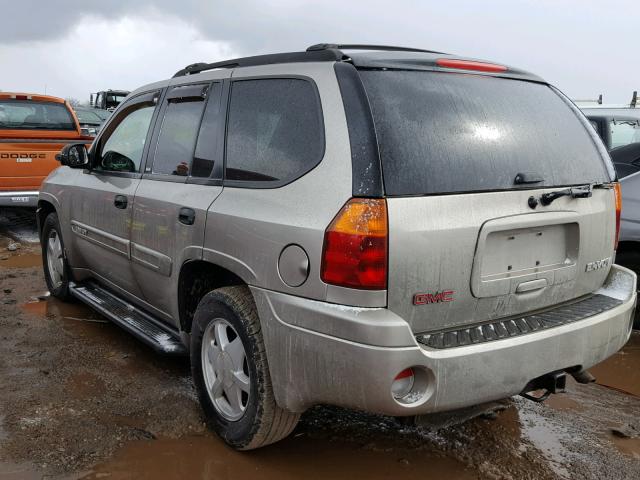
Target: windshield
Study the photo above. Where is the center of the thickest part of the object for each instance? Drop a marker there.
(103, 114)
(447, 133)
(32, 115)
(88, 116)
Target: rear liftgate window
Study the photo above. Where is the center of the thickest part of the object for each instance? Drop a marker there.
(447, 133)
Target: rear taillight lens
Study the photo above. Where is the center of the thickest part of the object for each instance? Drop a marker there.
(355, 246)
(470, 65)
(618, 194)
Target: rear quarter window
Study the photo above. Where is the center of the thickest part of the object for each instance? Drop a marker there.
(448, 133)
(275, 131)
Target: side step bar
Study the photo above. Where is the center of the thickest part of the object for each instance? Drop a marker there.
(151, 331)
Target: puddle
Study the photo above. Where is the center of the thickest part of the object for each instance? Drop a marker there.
(628, 446)
(24, 260)
(563, 402)
(52, 307)
(542, 434)
(622, 370)
(206, 457)
(10, 471)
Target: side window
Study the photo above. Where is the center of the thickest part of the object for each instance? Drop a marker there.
(275, 131)
(122, 147)
(624, 132)
(207, 151)
(178, 133)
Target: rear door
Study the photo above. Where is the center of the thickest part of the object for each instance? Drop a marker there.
(465, 160)
(182, 178)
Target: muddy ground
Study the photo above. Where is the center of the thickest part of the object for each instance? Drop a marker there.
(80, 398)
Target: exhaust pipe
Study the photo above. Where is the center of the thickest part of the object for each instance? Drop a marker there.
(582, 376)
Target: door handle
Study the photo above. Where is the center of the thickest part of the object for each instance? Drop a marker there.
(187, 216)
(120, 202)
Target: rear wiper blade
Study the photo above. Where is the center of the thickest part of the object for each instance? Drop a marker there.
(583, 191)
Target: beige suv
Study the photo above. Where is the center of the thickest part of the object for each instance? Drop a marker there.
(393, 230)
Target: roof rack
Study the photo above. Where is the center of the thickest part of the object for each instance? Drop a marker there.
(357, 46)
(270, 59)
(315, 53)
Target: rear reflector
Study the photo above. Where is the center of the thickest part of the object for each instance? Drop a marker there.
(354, 254)
(470, 65)
(618, 194)
(402, 384)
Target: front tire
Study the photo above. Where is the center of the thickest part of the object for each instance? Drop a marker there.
(230, 371)
(54, 259)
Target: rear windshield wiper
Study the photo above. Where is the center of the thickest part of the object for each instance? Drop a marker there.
(583, 191)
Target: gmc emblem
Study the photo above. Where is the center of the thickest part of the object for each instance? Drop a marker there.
(438, 297)
(597, 265)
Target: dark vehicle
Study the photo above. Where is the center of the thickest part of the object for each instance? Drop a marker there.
(615, 128)
(626, 159)
(107, 99)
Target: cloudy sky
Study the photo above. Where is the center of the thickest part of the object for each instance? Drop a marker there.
(73, 47)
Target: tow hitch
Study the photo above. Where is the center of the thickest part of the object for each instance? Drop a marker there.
(554, 382)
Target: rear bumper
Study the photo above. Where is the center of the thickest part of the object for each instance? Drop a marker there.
(27, 198)
(322, 353)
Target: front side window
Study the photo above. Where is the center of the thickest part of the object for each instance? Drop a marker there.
(275, 131)
(122, 149)
(624, 132)
(177, 138)
(33, 115)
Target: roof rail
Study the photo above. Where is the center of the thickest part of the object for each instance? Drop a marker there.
(270, 59)
(355, 46)
(584, 100)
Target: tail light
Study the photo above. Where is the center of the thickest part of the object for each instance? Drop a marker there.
(354, 254)
(470, 65)
(618, 194)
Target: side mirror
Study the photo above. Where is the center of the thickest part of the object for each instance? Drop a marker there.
(74, 155)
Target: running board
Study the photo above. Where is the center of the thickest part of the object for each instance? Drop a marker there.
(146, 328)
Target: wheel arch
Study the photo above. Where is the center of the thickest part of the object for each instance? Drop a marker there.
(196, 279)
(42, 212)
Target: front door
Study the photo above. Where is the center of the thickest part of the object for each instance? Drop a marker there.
(103, 201)
(183, 177)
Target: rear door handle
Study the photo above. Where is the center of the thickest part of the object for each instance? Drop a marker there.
(187, 216)
(120, 202)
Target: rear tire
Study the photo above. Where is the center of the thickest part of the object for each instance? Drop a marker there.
(54, 259)
(224, 317)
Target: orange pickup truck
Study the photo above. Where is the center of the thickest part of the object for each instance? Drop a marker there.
(33, 129)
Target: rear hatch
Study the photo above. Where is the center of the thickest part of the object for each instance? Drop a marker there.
(31, 134)
(465, 244)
